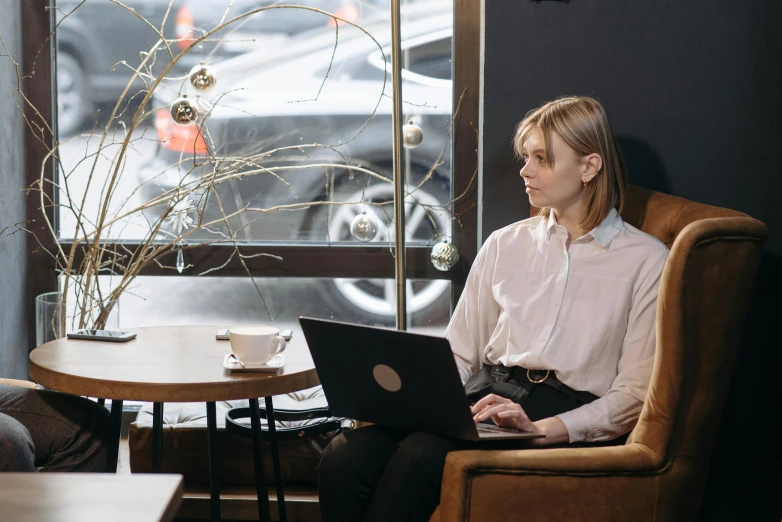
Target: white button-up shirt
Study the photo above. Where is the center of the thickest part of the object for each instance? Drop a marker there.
(586, 312)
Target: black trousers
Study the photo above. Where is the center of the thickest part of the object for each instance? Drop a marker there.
(378, 473)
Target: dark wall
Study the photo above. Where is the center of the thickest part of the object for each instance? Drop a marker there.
(13, 248)
(693, 90)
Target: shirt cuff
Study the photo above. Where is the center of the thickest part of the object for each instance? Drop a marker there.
(578, 428)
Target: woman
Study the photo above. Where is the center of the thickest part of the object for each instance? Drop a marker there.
(558, 313)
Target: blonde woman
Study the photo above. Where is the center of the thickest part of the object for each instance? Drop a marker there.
(554, 332)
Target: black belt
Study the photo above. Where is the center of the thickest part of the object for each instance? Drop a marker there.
(534, 377)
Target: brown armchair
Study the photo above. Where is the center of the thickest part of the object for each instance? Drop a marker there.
(17, 382)
(659, 474)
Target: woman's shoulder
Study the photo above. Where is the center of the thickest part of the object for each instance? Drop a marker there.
(643, 240)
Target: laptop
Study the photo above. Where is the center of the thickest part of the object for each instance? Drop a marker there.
(395, 378)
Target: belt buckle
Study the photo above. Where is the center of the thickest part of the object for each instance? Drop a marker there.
(537, 380)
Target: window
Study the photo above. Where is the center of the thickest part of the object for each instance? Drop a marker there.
(271, 94)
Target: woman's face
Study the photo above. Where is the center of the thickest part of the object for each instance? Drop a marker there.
(559, 188)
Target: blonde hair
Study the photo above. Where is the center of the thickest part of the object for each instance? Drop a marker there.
(582, 123)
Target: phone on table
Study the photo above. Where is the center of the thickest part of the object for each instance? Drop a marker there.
(224, 334)
(101, 335)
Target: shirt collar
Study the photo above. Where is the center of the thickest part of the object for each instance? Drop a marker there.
(603, 234)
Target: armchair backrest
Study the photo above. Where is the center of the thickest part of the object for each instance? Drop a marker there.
(702, 303)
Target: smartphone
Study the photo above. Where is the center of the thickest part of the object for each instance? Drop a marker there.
(224, 334)
(102, 335)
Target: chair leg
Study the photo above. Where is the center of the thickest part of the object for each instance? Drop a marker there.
(214, 472)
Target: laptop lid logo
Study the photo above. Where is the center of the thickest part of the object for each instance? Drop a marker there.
(387, 378)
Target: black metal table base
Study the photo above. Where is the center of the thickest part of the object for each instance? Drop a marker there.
(116, 426)
(264, 510)
(260, 475)
(157, 437)
(275, 460)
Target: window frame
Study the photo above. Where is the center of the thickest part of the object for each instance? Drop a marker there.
(357, 262)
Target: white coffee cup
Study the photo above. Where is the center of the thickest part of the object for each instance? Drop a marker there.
(256, 345)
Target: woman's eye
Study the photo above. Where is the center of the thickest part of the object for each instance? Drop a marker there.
(541, 159)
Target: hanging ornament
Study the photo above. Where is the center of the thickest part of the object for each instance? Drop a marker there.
(412, 135)
(183, 111)
(363, 227)
(180, 262)
(444, 256)
(202, 77)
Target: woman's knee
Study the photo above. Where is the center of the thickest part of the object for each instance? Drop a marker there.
(424, 446)
(17, 451)
(358, 449)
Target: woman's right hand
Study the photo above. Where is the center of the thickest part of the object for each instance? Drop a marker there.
(504, 412)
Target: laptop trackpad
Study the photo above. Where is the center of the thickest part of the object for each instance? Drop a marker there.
(492, 432)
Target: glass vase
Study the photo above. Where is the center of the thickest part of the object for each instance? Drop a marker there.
(51, 323)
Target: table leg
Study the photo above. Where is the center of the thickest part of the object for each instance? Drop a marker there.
(260, 475)
(157, 437)
(116, 426)
(214, 472)
(275, 460)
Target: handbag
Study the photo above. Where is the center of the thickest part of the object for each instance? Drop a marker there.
(237, 421)
(488, 380)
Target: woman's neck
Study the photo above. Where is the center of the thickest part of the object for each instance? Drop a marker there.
(570, 219)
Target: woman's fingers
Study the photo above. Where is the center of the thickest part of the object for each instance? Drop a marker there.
(493, 410)
(488, 401)
(518, 417)
(506, 414)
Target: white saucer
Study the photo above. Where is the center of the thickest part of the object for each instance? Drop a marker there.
(231, 363)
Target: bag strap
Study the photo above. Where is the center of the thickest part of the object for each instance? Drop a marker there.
(328, 424)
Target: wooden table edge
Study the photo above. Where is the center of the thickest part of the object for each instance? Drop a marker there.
(169, 513)
(162, 392)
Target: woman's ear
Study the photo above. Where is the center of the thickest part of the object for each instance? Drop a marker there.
(591, 166)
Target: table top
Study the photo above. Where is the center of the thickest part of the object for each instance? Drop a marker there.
(165, 364)
(88, 497)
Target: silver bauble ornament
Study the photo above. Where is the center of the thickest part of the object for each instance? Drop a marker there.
(363, 227)
(202, 77)
(412, 135)
(444, 256)
(183, 111)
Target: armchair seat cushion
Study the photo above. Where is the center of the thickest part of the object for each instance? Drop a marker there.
(185, 447)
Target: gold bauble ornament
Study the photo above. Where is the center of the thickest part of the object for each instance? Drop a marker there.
(202, 77)
(183, 111)
(363, 227)
(412, 135)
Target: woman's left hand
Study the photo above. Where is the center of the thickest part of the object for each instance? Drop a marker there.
(504, 412)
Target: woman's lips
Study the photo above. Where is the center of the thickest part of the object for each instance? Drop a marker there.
(530, 190)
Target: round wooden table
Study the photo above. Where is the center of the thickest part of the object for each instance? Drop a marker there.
(175, 364)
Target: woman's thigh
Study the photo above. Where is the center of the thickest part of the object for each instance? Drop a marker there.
(363, 452)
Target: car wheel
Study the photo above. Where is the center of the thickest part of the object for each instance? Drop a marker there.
(374, 300)
(72, 96)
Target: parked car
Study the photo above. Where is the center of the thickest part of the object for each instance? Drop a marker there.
(264, 102)
(100, 34)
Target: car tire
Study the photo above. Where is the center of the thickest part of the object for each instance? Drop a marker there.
(370, 301)
(73, 102)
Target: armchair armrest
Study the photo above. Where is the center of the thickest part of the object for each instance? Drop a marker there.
(17, 382)
(599, 483)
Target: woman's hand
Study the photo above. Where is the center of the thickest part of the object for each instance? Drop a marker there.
(504, 412)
